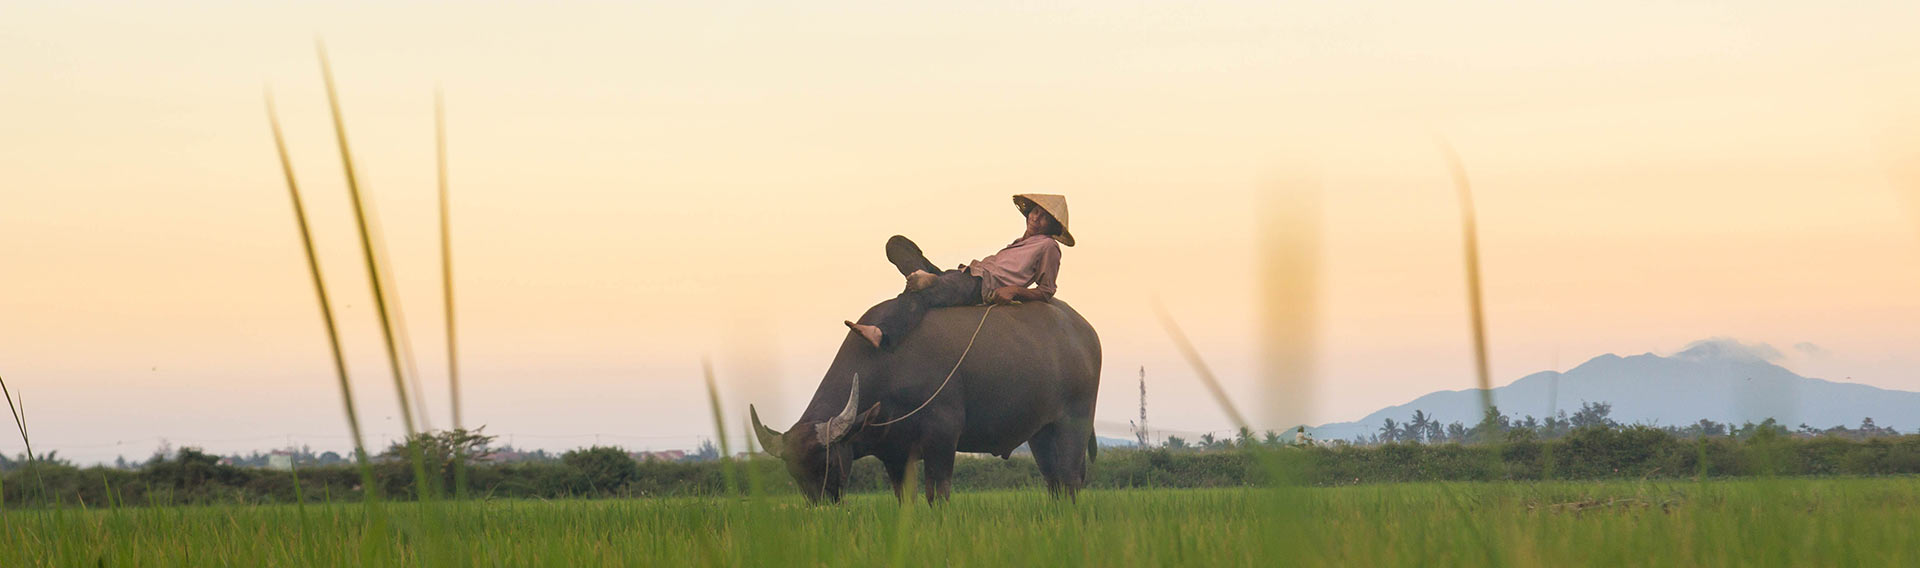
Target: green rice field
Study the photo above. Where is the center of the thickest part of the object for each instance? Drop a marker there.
(1753, 522)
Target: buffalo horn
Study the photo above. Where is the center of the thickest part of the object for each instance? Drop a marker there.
(838, 426)
(770, 440)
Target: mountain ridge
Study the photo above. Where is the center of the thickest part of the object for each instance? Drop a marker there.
(1716, 379)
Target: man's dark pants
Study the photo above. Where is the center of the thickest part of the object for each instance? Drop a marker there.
(898, 316)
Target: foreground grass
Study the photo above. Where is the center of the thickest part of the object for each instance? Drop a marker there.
(1786, 522)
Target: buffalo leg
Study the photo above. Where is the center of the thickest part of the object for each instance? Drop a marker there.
(1044, 455)
(1072, 448)
(939, 468)
(1063, 448)
(897, 477)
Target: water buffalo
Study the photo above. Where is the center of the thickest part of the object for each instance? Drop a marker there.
(1031, 377)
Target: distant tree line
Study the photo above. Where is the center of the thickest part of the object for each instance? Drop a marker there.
(1422, 428)
(1594, 450)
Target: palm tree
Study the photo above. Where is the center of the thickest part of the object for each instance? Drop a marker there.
(1417, 426)
(1390, 431)
(1411, 433)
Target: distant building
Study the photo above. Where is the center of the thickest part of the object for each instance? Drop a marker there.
(509, 455)
(664, 456)
(280, 460)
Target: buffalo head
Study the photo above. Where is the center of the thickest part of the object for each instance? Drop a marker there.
(817, 453)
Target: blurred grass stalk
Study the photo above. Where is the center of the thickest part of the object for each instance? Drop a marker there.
(446, 284)
(720, 428)
(19, 412)
(1270, 461)
(756, 487)
(402, 337)
(1899, 144)
(19, 421)
(1900, 153)
(1289, 264)
(1490, 542)
(903, 514)
(376, 277)
(326, 305)
(1470, 231)
(1200, 368)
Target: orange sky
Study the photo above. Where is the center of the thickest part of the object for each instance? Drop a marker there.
(638, 186)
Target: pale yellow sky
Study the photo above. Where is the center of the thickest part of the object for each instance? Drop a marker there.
(638, 186)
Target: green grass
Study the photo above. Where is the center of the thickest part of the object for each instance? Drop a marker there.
(1797, 522)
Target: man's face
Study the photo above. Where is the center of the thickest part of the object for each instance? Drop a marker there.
(1038, 221)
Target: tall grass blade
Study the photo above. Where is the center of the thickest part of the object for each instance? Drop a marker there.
(755, 485)
(19, 412)
(446, 285)
(376, 276)
(1289, 277)
(1470, 231)
(446, 254)
(1200, 368)
(720, 428)
(1899, 149)
(374, 273)
(401, 336)
(19, 421)
(903, 518)
(299, 502)
(326, 305)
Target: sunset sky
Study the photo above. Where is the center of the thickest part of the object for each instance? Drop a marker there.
(637, 187)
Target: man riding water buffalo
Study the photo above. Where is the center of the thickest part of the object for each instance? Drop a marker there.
(912, 382)
(1001, 278)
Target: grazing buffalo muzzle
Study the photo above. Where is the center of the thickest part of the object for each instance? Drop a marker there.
(1031, 378)
(815, 464)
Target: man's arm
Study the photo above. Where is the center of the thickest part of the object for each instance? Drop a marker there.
(1043, 286)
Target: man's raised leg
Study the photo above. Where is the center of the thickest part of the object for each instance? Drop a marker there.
(907, 257)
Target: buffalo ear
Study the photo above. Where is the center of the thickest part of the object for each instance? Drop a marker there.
(860, 422)
(771, 441)
(871, 416)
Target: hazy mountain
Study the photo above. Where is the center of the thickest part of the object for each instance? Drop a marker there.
(1717, 379)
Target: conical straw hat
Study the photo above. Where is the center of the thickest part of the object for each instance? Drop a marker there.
(1055, 205)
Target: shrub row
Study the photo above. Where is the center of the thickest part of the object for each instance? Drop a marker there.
(192, 477)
